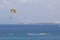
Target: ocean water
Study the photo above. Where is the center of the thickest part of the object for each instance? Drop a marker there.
(30, 32)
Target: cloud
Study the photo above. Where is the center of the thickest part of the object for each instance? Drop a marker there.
(27, 1)
(1, 6)
(6, 3)
(51, 4)
(16, 2)
(23, 1)
(50, 7)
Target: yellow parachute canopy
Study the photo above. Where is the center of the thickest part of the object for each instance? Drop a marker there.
(13, 11)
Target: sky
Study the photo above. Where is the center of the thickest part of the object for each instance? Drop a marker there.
(29, 11)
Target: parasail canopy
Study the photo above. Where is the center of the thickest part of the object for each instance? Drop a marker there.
(13, 11)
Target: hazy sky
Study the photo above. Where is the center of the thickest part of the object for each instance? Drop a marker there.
(30, 11)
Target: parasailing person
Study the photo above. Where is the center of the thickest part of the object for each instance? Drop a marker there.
(12, 13)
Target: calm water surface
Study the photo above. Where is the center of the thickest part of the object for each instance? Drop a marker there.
(29, 32)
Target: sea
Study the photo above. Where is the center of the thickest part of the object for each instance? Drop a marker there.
(29, 31)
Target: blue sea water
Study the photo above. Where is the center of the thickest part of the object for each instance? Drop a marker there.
(20, 32)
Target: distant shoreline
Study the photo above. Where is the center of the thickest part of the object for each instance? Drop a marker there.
(33, 24)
